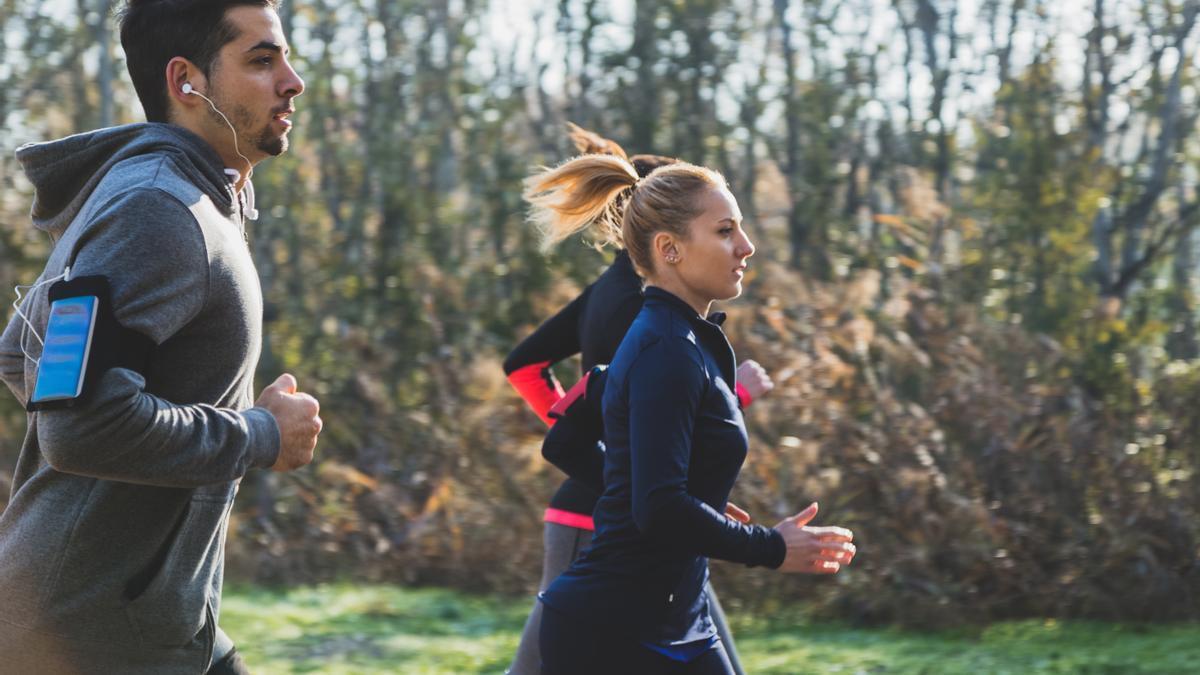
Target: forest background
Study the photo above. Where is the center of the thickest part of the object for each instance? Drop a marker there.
(975, 284)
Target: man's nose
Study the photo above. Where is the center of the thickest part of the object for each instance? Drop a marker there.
(293, 84)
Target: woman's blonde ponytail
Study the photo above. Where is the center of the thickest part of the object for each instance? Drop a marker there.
(584, 193)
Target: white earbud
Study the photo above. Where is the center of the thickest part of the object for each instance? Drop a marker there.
(187, 88)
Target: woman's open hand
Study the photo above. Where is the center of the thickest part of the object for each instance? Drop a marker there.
(814, 550)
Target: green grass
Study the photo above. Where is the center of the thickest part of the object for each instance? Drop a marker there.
(372, 629)
(347, 629)
(1011, 648)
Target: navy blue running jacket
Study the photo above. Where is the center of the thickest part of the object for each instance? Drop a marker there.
(675, 441)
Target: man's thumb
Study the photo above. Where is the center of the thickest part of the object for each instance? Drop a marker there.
(286, 382)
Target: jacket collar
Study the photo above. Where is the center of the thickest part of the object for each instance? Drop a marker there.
(656, 294)
(707, 330)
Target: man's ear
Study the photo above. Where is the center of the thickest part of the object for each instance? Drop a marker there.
(181, 72)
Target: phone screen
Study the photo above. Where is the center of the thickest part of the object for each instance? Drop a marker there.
(68, 345)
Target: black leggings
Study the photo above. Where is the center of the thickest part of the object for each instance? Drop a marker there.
(562, 545)
(571, 648)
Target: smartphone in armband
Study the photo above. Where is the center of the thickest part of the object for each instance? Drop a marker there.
(83, 341)
(70, 331)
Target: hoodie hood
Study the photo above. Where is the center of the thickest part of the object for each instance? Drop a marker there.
(64, 173)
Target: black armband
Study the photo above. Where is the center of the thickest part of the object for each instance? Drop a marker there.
(83, 341)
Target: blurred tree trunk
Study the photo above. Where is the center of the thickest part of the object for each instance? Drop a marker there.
(1098, 84)
(8, 76)
(858, 72)
(750, 110)
(933, 25)
(642, 97)
(1183, 342)
(104, 78)
(1004, 50)
(697, 74)
(81, 106)
(798, 230)
(390, 153)
(881, 171)
(544, 120)
(584, 113)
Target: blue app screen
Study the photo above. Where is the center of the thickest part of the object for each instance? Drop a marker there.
(65, 355)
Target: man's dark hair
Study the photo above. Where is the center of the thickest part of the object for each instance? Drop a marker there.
(155, 31)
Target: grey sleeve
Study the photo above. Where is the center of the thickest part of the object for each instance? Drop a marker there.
(152, 251)
(124, 434)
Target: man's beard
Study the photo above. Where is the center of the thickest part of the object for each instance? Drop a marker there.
(265, 140)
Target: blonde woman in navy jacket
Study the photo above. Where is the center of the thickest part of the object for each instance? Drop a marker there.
(675, 436)
(592, 325)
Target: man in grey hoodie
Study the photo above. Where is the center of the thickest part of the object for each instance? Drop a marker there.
(112, 545)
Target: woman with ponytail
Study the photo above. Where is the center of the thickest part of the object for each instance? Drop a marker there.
(635, 600)
(592, 325)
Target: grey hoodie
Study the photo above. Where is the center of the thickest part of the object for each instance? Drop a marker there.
(112, 545)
